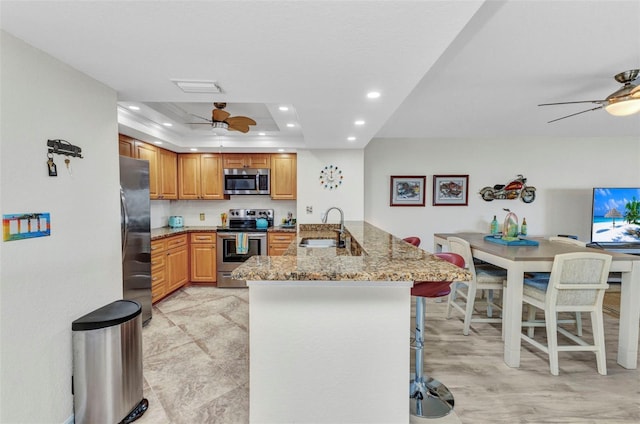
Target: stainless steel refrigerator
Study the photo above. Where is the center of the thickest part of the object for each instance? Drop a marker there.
(136, 233)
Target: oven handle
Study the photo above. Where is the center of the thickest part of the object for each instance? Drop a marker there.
(250, 235)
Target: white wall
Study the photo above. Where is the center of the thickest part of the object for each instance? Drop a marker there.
(563, 170)
(46, 283)
(349, 196)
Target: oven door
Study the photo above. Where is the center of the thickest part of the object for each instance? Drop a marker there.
(228, 259)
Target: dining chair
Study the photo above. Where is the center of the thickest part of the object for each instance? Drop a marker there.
(484, 277)
(577, 283)
(541, 277)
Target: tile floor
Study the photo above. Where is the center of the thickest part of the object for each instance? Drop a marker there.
(196, 369)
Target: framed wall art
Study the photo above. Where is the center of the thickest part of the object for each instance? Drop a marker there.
(407, 190)
(450, 190)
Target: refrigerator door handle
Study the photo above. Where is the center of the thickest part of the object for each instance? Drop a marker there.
(124, 227)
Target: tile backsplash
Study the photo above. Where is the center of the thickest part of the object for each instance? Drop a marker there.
(190, 210)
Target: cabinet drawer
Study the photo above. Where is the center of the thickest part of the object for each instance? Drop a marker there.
(158, 260)
(177, 241)
(158, 277)
(158, 246)
(203, 238)
(282, 237)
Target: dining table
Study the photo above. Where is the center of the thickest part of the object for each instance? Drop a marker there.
(520, 259)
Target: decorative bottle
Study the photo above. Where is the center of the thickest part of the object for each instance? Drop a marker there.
(510, 227)
(523, 227)
(494, 226)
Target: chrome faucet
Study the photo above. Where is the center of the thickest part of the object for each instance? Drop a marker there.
(325, 215)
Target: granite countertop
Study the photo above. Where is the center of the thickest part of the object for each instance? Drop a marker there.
(371, 255)
(163, 232)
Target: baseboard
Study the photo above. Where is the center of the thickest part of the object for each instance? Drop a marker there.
(70, 420)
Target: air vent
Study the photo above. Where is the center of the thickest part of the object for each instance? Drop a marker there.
(198, 86)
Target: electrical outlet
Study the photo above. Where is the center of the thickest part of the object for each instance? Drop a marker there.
(309, 209)
(201, 217)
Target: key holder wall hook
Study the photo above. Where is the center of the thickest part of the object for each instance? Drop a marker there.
(63, 147)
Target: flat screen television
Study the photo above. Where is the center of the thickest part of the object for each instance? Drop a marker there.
(616, 217)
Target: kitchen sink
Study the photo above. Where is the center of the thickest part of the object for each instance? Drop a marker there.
(311, 242)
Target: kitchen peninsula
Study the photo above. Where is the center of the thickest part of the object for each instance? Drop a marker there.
(330, 327)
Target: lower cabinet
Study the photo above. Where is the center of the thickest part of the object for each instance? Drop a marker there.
(279, 242)
(203, 257)
(169, 265)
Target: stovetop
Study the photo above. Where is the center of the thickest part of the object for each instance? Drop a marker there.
(244, 220)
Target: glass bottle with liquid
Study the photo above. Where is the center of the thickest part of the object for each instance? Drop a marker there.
(494, 226)
(523, 227)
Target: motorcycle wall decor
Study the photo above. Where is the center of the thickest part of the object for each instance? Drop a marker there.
(512, 190)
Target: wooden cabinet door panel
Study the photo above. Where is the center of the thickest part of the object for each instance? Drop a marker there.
(203, 263)
(126, 146)
(189, 172)
(150, 153)
(211, 177)
(168, 175)
(284, 176)
(177, 268)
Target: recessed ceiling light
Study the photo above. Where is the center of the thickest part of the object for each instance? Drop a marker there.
(134, 107)
(167, 124)
(197, 86)
(261, 133)
(283, 108)
(291, 125)
(359, 122)
(193, 149)
(373, 95)
(352, 138)
(157, 142)
(281, 150)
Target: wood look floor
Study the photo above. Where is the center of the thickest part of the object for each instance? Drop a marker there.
(196, 360)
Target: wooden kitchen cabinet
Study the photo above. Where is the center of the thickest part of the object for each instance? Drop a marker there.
(203, 257)
(278, 242)
(163, 166)
(177, 266)
(246, 160)
(149, 153)
(284, 174)
(168, 175)
(158, 270)
(200, 176)
(126, 145)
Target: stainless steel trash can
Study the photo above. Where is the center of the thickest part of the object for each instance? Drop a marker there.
(107, 364)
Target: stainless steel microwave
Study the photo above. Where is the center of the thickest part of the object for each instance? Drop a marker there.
(246, 181)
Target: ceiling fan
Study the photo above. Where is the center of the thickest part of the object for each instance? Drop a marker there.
(220, 118)
(623, 102)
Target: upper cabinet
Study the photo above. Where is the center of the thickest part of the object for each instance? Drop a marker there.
(163, 166)
(249, 160)
(284, 171)
(126, 145)
(200, 176)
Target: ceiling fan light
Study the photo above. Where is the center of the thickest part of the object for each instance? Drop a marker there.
(217, 124)
(625, 107)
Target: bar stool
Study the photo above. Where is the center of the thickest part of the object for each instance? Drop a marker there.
(429, 398)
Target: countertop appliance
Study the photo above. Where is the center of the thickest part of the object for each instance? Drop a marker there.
(246, 181)
(176, 222)
(135, 227)
(251, 222)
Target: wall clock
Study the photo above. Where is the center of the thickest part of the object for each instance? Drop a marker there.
(331, 177)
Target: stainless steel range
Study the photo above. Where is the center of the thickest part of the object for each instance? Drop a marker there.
(253, 223)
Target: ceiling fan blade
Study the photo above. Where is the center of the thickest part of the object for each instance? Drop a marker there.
(240, 120)
(239, 127)
(577, 113)
(570, 103)
(219, 115)
(201, 117)
(199, 123)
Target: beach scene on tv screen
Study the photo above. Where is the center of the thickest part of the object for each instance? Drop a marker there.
(616, 215)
